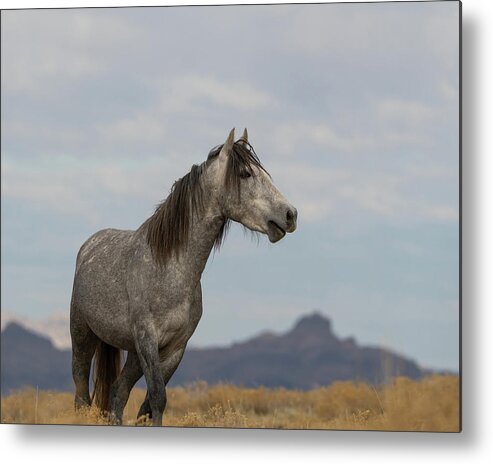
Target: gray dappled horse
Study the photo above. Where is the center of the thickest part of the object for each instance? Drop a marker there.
(139, 291)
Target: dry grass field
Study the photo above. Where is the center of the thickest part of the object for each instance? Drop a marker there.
(431, 404)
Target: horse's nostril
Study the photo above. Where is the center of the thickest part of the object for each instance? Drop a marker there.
(289, 216)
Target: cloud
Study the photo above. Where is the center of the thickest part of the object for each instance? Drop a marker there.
(58, 191)
(448, 91)
(407, 113)
(143, 127)
(64, 45)
(379, 196)
(320, 193)
(373, 128)
(76, 187)
(290, 137)
(441, 36)
(23, 129)
(373, 31)
(192, 95)
(185, 92)
(440, 213)
(83, 190)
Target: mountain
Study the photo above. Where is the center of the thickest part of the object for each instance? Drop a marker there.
(31, 359)
(55, 326)
(307, 356)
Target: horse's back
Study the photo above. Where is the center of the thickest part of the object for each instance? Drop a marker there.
(99, 294)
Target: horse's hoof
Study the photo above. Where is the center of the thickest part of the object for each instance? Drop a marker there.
(114, 420)
(144, 420)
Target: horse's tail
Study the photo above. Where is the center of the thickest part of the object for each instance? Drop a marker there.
(106, 369)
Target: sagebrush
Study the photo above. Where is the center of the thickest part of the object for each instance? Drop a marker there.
(431, 404)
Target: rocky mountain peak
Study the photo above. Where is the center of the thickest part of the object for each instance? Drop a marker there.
(314, 323)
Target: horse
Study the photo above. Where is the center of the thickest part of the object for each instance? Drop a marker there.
(139, 291)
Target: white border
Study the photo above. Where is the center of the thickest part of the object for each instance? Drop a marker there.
(64, 444)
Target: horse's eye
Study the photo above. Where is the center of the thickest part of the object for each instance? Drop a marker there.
(245, 175)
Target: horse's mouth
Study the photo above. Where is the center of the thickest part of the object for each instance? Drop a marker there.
(275, 232)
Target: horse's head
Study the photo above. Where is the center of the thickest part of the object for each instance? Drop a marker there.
(245, 191)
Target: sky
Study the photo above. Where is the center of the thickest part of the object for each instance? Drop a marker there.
(353, 109)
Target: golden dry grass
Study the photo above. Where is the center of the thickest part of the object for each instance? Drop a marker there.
(431, 404)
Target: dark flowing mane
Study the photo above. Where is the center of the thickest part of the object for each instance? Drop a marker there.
(168, 229)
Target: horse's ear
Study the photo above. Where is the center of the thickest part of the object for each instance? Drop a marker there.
(228, 145)
(244, 138)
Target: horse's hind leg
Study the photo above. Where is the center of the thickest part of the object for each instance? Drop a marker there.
(120, 390)
(84, 343)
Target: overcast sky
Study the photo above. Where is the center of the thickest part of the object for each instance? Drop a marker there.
(353, 108)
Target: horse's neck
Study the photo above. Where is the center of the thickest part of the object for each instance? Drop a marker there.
(186, 269)
(204, 230)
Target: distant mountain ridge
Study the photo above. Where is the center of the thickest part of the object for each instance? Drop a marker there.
(56, 326)
(307, 356)
(31, 359)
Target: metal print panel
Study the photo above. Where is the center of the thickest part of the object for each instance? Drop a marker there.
(138, 147)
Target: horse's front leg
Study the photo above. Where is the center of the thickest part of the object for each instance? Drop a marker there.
(169, 365)
(146, 345)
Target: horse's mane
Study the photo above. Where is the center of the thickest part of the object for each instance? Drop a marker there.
(168, 229)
